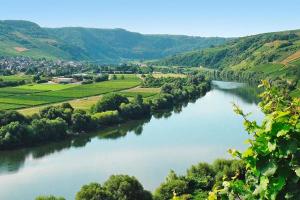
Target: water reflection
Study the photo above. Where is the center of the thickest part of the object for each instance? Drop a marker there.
(248, 93)
(201, 130)
(12, 161)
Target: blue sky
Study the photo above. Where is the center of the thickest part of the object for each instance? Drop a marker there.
(190, 17)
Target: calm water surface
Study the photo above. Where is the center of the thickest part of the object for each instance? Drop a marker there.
(200, 131)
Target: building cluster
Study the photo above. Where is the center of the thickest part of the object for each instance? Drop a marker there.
(22, 64)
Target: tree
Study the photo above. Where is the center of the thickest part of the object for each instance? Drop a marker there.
(109, 102)
(11, 116)
(13, 134)
(81, 121)
(114, 77)
(49, 198)
(138, 99)
(126, 188)
(49, 129)
(173, 185)
(201, 176)
(167, 88)
(93, 191)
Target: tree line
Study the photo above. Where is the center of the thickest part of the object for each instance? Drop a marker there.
(269, 169)
(55, 123)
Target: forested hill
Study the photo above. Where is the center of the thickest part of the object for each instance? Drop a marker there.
(104, 45)
(264, 55)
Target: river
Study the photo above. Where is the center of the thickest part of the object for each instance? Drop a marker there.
(199, 131)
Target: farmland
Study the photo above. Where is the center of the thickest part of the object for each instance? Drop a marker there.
(16, 78)
(32, 95)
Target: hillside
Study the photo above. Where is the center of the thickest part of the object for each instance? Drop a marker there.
(265, 55)
(23, 38)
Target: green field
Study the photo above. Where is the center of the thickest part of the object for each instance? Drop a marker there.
(16, 90)
(26, 96)
(47, 87)
(94, 89)
(6, 106)
(268, 68)
(16, 78)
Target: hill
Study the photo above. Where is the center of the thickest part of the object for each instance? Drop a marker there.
(24, 38)
(270, 55)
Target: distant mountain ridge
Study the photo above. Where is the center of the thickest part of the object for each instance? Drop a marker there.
(26, 38)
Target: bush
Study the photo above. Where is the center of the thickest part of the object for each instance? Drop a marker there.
(85, 82)
(49, 130)
(163, 101)
(52, 112)
(109, 102)
(93, 191)
(117, 187)
(81, 121)
(13, 134)
(7, 117)
(106, 118)
(201, 176)
(126, 188)
(49, 198)
(103, 77)
(134, 110)
(172, 185)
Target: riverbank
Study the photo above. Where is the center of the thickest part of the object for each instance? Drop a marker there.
(55, 123)
(201, 130)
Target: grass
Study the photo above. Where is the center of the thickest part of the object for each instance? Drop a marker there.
(169, 75)
(16, 90)
(296, 62)
(133, 94)
(291, 58)
(31, 98)
(296, 93)
(46, 87)
(15, 78)
(8, 106)
(267, 68)
(145, 92)
(95, 89)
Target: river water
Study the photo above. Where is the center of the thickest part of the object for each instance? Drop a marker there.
(199, 131)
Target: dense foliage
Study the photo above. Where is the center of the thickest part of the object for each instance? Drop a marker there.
(58, 122)
(253, 58)
(267, 47)
(49, 198)
(268, 169)
(117, 187)
(272, 160)
(101, 45)
(196, 184)
(199, 180)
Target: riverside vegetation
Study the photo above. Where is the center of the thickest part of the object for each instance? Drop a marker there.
(273, 56)
(268, 169)
(54, 123)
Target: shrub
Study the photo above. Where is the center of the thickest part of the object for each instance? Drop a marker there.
(49, 198)
(126, 188)
(13, 134)
(106, 118)
(81, 121)
(93, 191)
(109, 102)
(47, 129)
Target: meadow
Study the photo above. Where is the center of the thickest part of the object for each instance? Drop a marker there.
(32, 95)
(16, 78)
